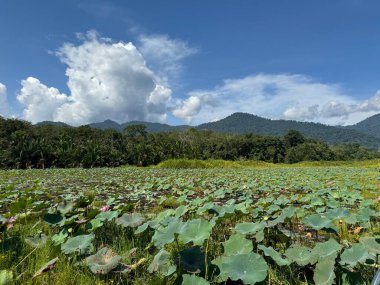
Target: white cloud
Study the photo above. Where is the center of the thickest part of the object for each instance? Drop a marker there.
(3, 100)
(276, 96)
(106, 79)
(165, 55)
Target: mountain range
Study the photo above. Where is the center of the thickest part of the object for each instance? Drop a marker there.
(366, 132)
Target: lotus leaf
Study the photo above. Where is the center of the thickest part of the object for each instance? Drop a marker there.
(193, 280)
(324, 272)
(165, 235)
(6, 277)
(358, 253)
(249, 228)
(327, 250)
(107, 216)
(36, 240)
(94, 224)
(81, 244)
(46, 267)
(103, 262)
(372, 244)
(60, 237)
(65, 207)
(276, 256)
(237, 244)
(317, 222)
(196, 231)
(162, 263)
(250, 268)
(54, 218)
(301, 255)
(130, 220)
(191, 260)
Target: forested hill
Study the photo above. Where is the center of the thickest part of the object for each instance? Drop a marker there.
(243, 123)
(369, 126)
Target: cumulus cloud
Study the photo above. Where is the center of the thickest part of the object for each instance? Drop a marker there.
(3, 100)
(277, 96)
(165, 55)
(106, 79)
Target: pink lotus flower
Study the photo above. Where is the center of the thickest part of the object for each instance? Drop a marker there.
(11, 220)
(104, 208)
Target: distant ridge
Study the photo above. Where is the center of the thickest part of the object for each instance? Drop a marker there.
(369, 126)
(366, 133)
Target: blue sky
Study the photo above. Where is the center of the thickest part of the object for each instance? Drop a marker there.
(189, 61)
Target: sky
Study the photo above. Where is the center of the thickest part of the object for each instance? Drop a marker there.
(189, 62)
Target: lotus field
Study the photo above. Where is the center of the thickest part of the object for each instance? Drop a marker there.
(268, 225)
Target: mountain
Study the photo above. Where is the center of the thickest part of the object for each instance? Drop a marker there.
(50, 123)
(150, 127)
(369, 126)
(366, 133)
(241, 123)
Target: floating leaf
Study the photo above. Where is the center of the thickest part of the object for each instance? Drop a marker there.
(301, 255)
(249, 228)
(162, 263)
(324, 272)
(193, 280)
(46, 267)
(237, 244)
(53, 218)
(94, 224)
(276, 256)
(250, 268)
(165, 235)
(358, 253)
(327, 250)
(65, 207)
(317, 222)
(196, 231)
(372, 244)
(107, 216)
(103, 262)
(81, 244)
(130, 220)
(37, 240)
(60, 237)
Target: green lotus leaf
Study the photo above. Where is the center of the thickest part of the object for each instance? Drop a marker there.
(36, 240)
(196, 231)
(81, 244)
(181, 210)
(107, 216)
(327, 250)
(60, 238)
(162, 263)
(358, 253)
(237, 244)
(191, 260)
(65, 207)
(165, 235)
(94, 224)
(103, 262)
(46, 267)
(276, 256)
(54, 218)
(338, 213)
(317, 222)
(259, 236)
(249, 228)
(372, 244)
(6, 277)
(130, 220)
(193, 280)
(150, 224)
(324, 272)
(301, 255)
(250, 268)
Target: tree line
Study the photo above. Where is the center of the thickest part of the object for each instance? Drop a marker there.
(23, 145)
